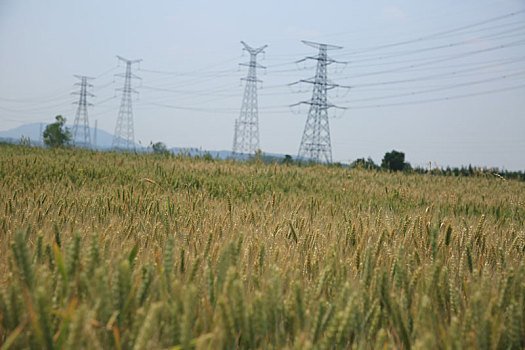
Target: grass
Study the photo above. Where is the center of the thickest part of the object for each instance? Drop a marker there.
(135, 251)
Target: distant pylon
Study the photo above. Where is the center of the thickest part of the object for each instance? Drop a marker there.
(246, 133)
(95, 135)
(81, 135)
(315, 143)
(235, 129)
(124, 137)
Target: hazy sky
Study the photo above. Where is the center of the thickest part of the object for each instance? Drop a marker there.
(442, 81)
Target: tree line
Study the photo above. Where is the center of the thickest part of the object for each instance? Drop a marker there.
(395, 161)
(57, 135)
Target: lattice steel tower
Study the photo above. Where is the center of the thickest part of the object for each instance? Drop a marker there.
(124, 137)
(81, 135)
(315, 143)
(246, 133)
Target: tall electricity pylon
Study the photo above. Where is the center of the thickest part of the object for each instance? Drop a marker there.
(315, 143)
(124, 137)
(81, 135)
(95, 135)
(246, 134)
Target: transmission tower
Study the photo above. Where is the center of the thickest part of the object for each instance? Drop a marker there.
(95, 135)
(81, 135)
(315, 143)
(246, 134)
(124, 137)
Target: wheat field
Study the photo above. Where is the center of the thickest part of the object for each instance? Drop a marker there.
(137, 251)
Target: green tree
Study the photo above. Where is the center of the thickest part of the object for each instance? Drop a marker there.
(364, 163)
(287, 159)
(55, 134)
(159, 148)
(394, 161)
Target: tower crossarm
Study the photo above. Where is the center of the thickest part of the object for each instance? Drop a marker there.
(317, 45)
(253, 51)
(254, 64)
(129, 61)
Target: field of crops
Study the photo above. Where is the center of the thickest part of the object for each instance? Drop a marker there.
(134, 251)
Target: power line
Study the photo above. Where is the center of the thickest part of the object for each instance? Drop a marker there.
(438, 99)
(443, 46)
(212, 110)
(434, 76)
(448, 87)
(37, 108)
(185, 74)
(442, 59)
(438, 34)
(188, 92)
(105, 100)
(103, 86)
(106, 72)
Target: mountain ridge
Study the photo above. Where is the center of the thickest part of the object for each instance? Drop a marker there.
(32, 133)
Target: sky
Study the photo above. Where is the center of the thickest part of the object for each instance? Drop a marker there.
(441, 81)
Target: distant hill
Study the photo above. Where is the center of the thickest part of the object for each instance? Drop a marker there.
(223, 154)
(33, 132)
(105, 140)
